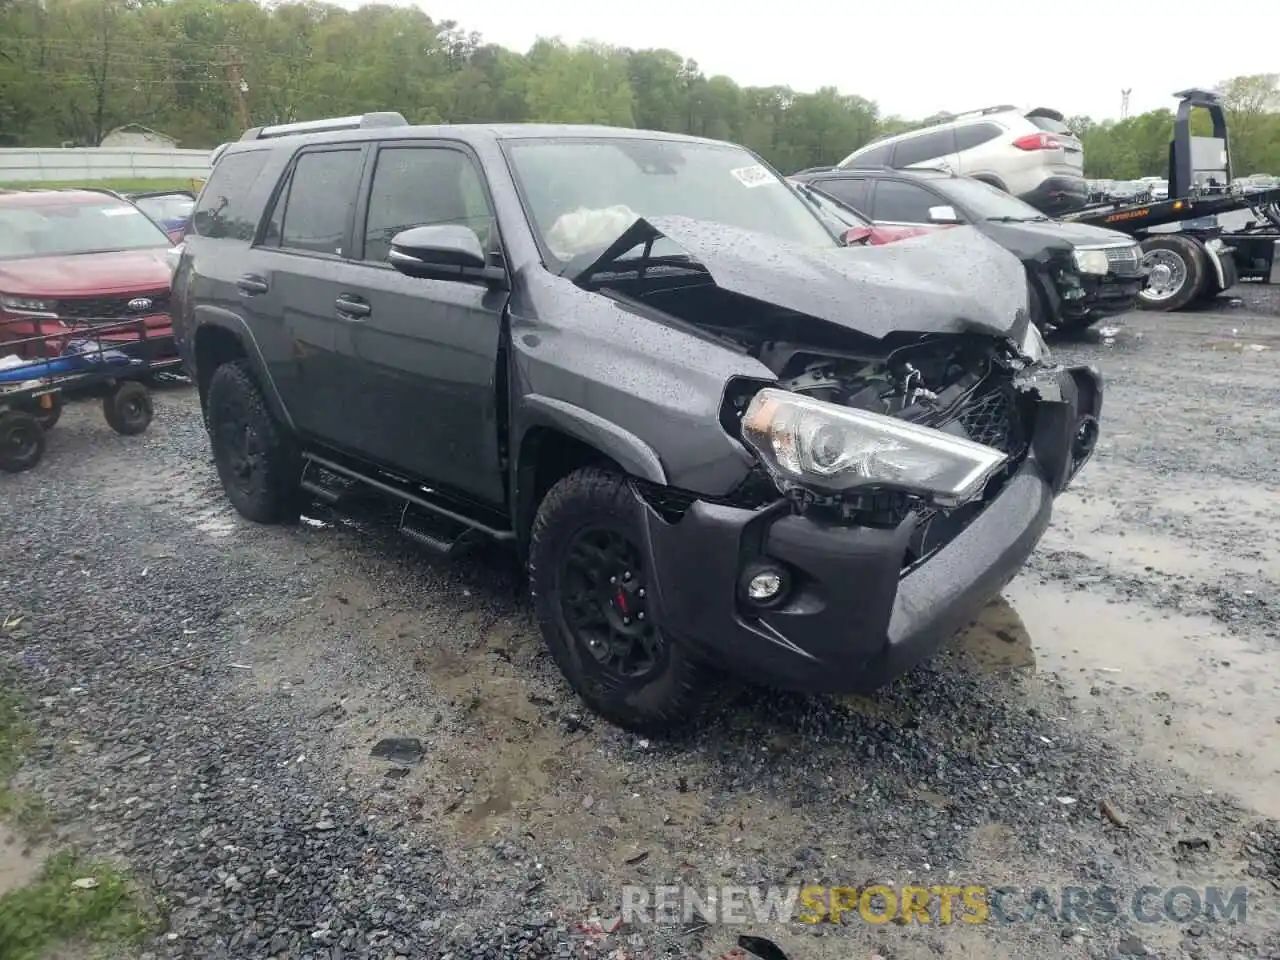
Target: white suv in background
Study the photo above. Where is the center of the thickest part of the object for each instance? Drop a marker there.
(1031, 154)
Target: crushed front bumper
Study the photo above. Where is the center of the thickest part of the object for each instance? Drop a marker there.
(853, 619)
(1106, 296)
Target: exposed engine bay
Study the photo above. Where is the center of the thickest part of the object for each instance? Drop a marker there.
(961, 384)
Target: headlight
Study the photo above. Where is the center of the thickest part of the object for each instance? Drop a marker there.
(1092, 261)
(829, 448)
(27, 304)
(1033, 346)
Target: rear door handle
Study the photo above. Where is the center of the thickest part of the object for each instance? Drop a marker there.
(251, 285)
(349, 308)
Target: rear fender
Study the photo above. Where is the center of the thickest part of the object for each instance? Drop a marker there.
(210, 318)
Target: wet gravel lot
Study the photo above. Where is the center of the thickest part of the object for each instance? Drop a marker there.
(207, 694)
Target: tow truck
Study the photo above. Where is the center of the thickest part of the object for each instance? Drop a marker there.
(1188, 254)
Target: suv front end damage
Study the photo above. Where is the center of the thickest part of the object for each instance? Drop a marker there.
(893, 498)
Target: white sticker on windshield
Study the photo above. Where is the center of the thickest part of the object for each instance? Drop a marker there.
(119, 211)
(753, 176)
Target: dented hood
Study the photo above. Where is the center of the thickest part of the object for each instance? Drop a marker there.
(951, 281)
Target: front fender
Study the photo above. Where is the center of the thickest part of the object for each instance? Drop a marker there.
(623, 447)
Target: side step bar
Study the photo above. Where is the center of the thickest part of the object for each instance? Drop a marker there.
(427, 523)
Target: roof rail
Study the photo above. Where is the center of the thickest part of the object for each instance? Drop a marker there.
(982, 112)
(384, 118)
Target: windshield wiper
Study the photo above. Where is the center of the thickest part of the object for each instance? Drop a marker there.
(1017, 219)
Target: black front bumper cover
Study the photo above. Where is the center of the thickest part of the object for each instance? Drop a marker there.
(854, 619)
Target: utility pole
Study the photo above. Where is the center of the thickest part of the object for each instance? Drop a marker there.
(1124, 103)
(239, 91)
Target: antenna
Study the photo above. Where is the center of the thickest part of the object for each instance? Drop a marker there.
(1124, 102)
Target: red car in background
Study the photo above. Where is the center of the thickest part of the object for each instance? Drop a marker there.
(77, 263)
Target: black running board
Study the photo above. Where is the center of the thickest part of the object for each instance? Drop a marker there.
(429, 524)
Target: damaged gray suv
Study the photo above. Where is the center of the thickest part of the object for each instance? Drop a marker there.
(723, 439)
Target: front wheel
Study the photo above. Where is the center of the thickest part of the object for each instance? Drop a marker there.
(1177, 272)
(590, 582)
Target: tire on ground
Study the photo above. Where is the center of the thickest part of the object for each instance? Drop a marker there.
(21, 441)
(678, 686)
(1196, 272)
(255, 458)
(128, 408)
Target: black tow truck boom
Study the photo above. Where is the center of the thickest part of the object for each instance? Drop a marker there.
(1200, 259)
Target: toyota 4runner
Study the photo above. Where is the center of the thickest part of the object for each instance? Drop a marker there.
(722, 439)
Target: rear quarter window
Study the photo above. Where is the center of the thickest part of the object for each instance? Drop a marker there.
(976, 134)
(223, 211)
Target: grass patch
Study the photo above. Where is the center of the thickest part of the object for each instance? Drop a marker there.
(24, 811)
(120, 186)
(50, 912)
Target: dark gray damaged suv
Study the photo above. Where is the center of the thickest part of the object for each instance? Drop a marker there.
(723, 439)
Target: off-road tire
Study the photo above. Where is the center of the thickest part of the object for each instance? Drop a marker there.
(268, 492)
(679, 686)
(128, 409)
(1196, 265)
(21, 441)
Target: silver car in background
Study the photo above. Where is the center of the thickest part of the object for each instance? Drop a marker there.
(1031, 154)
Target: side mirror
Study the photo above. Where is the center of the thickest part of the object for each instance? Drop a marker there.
(445, 251)
(943, 214)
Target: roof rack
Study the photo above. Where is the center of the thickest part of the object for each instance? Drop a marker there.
(980, 112)
(384, 118)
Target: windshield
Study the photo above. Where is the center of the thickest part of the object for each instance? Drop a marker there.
(581, 195)
(985, 202)
(59, 230)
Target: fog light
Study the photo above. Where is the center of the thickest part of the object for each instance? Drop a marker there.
(765, 586)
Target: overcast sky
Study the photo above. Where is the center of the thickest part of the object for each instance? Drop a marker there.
(918, 57)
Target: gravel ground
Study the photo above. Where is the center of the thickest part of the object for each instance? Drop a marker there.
(207, 694)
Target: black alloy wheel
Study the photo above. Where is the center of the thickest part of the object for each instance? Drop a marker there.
(604, 601)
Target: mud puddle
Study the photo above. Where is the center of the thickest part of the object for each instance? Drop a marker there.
(1179, 689)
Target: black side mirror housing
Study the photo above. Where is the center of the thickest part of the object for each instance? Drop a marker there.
(443, 251)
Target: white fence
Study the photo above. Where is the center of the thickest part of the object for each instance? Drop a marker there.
(102, 163)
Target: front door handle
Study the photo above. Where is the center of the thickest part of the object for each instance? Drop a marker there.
(350, 308)
(250, 285)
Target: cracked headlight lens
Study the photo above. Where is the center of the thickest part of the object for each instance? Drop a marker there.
(825, 447)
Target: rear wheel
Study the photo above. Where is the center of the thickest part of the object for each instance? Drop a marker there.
(1178, 271)
(255, 459)
(590, 583)
(128, 408)
(21, 441)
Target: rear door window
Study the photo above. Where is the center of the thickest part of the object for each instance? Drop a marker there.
(899, 202)
(924, 146)
(319, 200)
(222, 211)
(851, 192)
